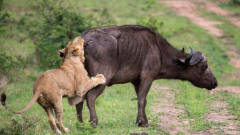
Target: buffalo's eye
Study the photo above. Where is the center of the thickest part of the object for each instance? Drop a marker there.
(204, 67)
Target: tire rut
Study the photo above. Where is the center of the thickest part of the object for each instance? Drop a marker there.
(168, 113)
(223, 122)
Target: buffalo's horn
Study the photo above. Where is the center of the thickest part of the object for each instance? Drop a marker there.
(189, 56)
(183, 50)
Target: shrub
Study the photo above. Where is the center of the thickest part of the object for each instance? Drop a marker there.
(20, 126)
(150, 22)
(7, 62)
(103, 19)
(56, 26)
(4, 18)
(236, 2)
(149, 3)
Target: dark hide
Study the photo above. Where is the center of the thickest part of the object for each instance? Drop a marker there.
(138, 55)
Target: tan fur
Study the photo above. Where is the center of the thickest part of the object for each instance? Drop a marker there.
(3, 81)
(70, 80)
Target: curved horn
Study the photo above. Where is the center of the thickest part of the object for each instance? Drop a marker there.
(183, 50)
(189, 56)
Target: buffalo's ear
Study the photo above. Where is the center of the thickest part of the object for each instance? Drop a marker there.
(182, 61)
(61, 52)
(196, 58)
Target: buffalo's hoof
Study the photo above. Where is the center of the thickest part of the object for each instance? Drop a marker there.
(80, 119)
(94, 125)
(142, 123)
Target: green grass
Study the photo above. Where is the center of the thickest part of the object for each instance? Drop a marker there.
(233, 103)
(232, 34)
(193, 101)
(231, 7)
(115, 109)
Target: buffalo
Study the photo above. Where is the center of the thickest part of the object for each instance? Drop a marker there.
(137, 54)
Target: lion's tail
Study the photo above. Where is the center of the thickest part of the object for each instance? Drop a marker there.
(34, 99)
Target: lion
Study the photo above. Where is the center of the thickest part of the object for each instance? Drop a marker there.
(71, 80)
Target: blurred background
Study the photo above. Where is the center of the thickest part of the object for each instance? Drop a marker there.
(31, 33)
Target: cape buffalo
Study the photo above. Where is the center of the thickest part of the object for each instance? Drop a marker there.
(136, 54)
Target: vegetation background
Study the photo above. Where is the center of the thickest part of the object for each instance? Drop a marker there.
(31, 33)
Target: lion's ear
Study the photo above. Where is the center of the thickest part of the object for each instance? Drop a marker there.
(61, 52)
(76, 52)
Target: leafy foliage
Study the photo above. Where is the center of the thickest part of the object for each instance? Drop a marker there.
(150, 22)
(7, 62)
(56, 26)
(150, 3)
(236, 2)
(20, 126)
(4, 19)
(1, 4)
(103, 19)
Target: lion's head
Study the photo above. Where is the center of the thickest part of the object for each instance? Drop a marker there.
(73, 49)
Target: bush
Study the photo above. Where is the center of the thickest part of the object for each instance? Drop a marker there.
(4, 18)
(103, 19)
(149, 3)
(236, 2)
(7, 62)
(21, 126)
(54, 28)
(150, 22)
(1, 4)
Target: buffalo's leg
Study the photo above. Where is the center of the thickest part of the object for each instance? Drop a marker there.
(142, 91)
(91, 98)
(136, 85)
(79, 108)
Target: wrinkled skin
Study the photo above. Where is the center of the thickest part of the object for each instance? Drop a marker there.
(138, 55)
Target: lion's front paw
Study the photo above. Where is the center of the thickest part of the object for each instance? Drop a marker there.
(101, 78)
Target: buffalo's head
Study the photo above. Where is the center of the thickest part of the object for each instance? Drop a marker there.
(195, 69)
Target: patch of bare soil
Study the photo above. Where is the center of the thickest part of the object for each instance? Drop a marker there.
(233, 54)
(213, 7)
(223, 122)
(232, 89)
(168, 113)
(189, 10)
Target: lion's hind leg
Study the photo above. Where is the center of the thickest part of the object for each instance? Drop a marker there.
(58, 112)
(49, 110)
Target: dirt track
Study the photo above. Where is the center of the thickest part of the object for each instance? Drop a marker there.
(168, 113)
(166, 108)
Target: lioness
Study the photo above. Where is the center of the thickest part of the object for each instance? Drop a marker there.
(70, 80)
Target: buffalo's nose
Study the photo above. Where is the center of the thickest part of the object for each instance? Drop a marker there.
(215, 84)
